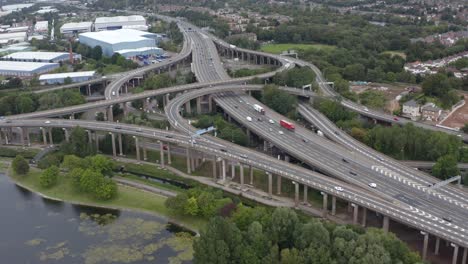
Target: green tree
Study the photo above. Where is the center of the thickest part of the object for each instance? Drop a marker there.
(67, 80)
(71, 162)
(445, 167)
(283, 223)
(20, 165)
(278, 100)
(49, 177)
(291, 256)
(465, 128)
(96, 52)
(75, 177)
(191, 206)
(78, 144)
(107, 189)
(101, 164)
(90, 181)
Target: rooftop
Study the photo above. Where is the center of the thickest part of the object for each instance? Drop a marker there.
(411, 103)
(85, 24)
(23, 66)
(119, 19)
(66, 74)
(29, 55)
(119, 35)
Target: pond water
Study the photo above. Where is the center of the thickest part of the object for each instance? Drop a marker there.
(37, 230)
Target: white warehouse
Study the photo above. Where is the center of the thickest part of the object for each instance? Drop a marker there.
(75, 28)
(41, 27)
(59, 78)
(127, 42)
(120, 22)
(38, 56)
(25, 69)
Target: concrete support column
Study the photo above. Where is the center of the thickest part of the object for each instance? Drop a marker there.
(169, 159)
(187, 154)
(67, 135)
(437, 246)
(241, 173)
(88, 90)
(325, 204)
(188, 108)
(223, 167)
(192, 160)
(44, 137)
(265, 146)
(114, 149)
(27, 137)
(22, 136)
(386, 222)
(145, 153)
(355, 213)
(248, 136)
(120, 145)
(110, 114)
(364, 216)
(199, 105)
(96, 141)
(137, 148)
(233, 171)
(425, 243)
(286, 158)
(50, 137)
(210, 104)
(125, 109)
(278, 184)
(333, 211)
(72, 116)
(270, 185)
(455, 253)
(251, 175)
(296, 194)
(214, 172)
(465, 255)
(90, 138)
(161, 153)
(306, 198)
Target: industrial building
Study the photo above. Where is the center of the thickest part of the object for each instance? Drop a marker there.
(120, 22)
(41, 27)
(70, 29)
(127, 42)
(41, 56)
(25, 69)
(7, 38)
(59, 78)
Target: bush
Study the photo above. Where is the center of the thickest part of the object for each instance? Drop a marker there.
(48, 177)
(20, 165)
(11, 152)
(49, 160)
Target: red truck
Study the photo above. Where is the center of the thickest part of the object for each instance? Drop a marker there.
(287, 125)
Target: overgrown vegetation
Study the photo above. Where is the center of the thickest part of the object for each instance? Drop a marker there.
(279, 100)
(225, 130)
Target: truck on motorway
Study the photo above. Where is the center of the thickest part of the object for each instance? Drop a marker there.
(288, 125)
(259, 109)
(232, 46)
(320, 133)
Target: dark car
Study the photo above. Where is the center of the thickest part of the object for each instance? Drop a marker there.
(344, 160)
(352, 173)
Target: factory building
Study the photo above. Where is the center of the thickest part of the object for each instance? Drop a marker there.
(39, 56)
(41, 27)
(25, 69)
(59, 78)
(127, 42)
(120, 22)
(70, 29)
(7, 38)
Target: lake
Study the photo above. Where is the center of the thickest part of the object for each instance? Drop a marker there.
(38, 230)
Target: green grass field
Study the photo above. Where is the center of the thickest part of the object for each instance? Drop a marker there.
(278, 48)
(127, 198)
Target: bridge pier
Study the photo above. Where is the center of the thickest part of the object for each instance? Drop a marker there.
(306, 199)
(455, 253)
(425, 243)
(145, 154)
(120, 144)
(199, 108)
(114, 150)
(187, 154)
(251, 175)
(296, 194)
(169, 159)
(27, 136)
(67, 135)
(364, 216)
(324, 204)
(96, 139)
(270, 185)
(137, 148)
(355, 213)
(161, 150)
(333, 211)
(386, 223)
(214, 172)
(241, 175)
(233, 171)
(188, 108)
(110, 114)
(223, 167)
(437, 246)
(278, 184)
(90, 138)
(22, 136)
(210, 104)
(465, 255)
(88, 90)
(50, 137)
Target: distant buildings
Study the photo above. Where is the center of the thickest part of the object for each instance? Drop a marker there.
(126, 42)
(25, 69)
(41, 27)
(41, 56)
(447, 39)
(8, 38)
(427, 112)
(431, 67)
(70, 29)
(59, 78)
(430, 112)
(120, 22)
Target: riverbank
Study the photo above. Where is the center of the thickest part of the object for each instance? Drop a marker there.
(128, 198)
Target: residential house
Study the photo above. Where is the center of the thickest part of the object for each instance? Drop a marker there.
(430, 112)
(412, 109)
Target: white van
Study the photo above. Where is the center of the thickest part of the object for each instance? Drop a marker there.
(249, 119)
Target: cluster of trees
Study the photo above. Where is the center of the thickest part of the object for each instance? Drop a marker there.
(78, 144)
(202, 202)
(102, 64)
(11, 83)
(279, 100)
(20, 165)
(442, 87)
(372, 98)
(49, 177)
(296, 77)
(257, 235)
(156, 81)
(17, 103)
(91, 175)
(244, 72)
(225, 130)
(172, 32)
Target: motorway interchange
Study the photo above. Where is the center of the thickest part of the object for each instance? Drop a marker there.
(359, 175)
